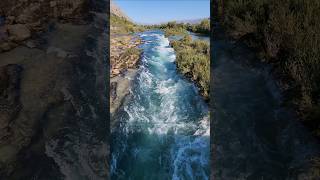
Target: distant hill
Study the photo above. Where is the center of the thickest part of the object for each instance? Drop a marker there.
(120, 23)
(192, 21)
(116, 10)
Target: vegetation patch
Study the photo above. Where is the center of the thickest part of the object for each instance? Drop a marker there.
(192, 58)
(287, 35)
(120, 25)
(203, 27)
(173, 28)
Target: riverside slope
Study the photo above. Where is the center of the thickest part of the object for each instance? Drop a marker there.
(163, 129)
(253, 135)
(124, 58)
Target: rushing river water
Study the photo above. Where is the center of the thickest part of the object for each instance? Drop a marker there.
(164, 126)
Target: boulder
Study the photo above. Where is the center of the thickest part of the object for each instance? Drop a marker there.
(5, 46)
(113, 90)
(18, 32)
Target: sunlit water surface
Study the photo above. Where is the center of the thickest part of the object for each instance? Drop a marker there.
(163, 130)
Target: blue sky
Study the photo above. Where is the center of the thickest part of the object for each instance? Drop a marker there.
(158, 11)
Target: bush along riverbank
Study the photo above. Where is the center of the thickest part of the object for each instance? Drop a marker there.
(193, 61)
(286, 34)
(192, 56)
(173, 28)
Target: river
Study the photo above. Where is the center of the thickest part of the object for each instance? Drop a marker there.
(194, 36)
(163, 130)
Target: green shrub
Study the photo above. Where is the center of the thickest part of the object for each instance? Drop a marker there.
(174, 28)
(175, 31)
(203, 27)
(124, 26)
(193, 61)
(288, 33)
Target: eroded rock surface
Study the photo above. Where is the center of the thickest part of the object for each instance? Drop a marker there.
(9, 99)
(19, 19)
(53, 100)
(124, 53)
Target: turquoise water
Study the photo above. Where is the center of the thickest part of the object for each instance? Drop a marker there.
(163, 130)
(198, 36)
(194, 36)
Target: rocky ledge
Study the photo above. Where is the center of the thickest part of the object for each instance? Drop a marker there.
(124, 59)
(53, 83)
(124, 53)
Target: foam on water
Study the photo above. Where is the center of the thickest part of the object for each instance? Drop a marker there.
(164, 127)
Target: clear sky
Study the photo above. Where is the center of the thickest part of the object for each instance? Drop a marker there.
(158, 11)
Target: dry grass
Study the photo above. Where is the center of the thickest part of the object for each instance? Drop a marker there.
(287, 33)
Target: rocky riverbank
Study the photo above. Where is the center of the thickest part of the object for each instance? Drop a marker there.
(125, 56)
(124, 53)
(52, 90)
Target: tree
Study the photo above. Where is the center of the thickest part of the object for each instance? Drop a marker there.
(205, 25)
(172, 24)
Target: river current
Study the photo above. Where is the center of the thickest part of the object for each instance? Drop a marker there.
(163, 130)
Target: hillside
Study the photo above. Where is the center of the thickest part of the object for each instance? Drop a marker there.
(115, 10)
(286, 36)
(120, 22)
